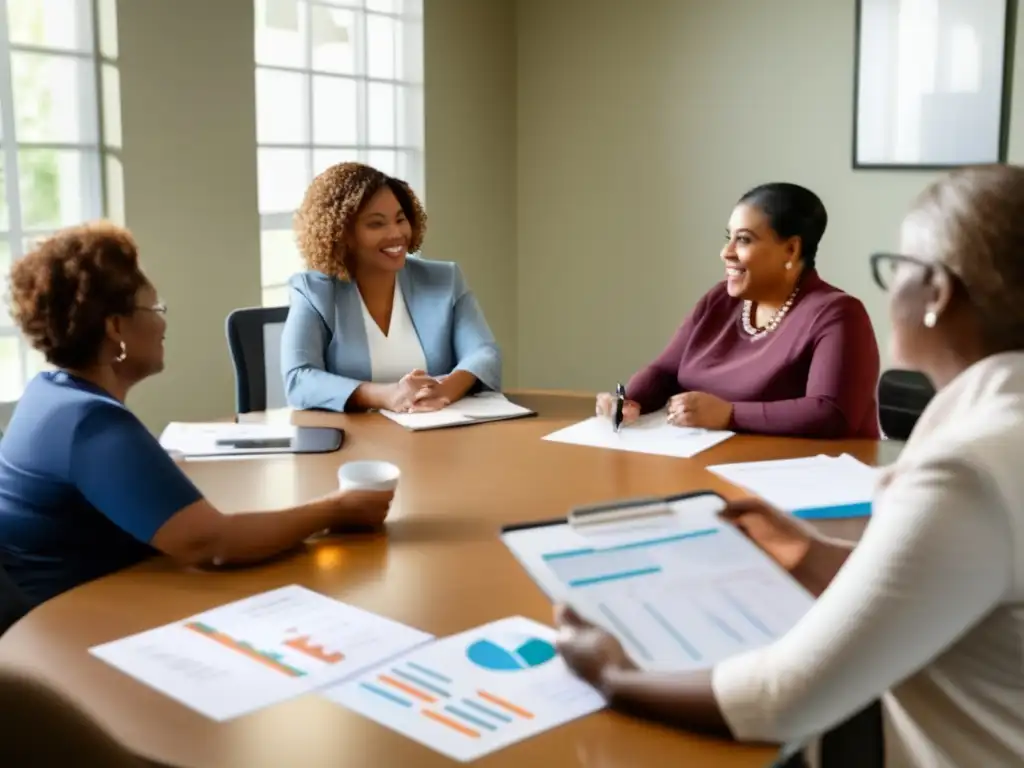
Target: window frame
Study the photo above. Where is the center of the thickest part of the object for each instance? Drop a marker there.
(94, 182)
(411, 87)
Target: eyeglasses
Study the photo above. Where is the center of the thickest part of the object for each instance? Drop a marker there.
(885, 266)
(160, 309)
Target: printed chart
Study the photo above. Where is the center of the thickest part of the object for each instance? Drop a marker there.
(685, 595)
(246, 655)
(473, 693)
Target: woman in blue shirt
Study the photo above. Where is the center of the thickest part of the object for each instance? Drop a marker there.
(85, 489)
(370, 327)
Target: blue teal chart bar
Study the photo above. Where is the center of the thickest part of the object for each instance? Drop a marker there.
(592, 565)
(632, 544)
(623, 629)
(859, 509)
(685, 644)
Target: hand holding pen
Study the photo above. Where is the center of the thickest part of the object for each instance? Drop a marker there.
(617, 407)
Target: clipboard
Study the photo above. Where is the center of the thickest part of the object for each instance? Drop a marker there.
(307, 440)
(594, 511)
(680, 588)
(215, 440)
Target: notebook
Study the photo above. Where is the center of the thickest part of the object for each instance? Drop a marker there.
(475, 409)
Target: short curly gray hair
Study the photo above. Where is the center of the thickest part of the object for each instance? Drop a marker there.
(975, 216)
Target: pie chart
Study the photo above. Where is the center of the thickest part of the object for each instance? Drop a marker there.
(509, 654)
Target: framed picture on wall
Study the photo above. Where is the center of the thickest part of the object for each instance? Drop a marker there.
(931, 83)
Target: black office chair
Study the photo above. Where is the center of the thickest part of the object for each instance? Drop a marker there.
(254, 342)
(858, 742)
(13, 604)
(902, 397)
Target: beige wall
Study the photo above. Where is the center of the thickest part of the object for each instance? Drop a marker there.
(640, 124)
(189, 116)
(470, 105)
(582, 159)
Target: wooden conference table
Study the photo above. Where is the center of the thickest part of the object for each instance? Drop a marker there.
(439, 566)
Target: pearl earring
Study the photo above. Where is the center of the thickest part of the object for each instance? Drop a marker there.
(930, 318)
(124, 354)
(789, 265)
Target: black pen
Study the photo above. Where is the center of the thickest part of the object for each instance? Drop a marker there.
(620, 401)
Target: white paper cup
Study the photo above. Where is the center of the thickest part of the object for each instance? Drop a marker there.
(368, 476)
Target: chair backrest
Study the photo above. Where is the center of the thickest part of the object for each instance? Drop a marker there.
(254, 340)
(858, 742)
(902, 396)
(13, 604)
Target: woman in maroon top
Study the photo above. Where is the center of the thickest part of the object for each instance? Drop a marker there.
(773, 349)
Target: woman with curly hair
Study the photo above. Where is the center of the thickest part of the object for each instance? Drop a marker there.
(370, 327)
(85, 489)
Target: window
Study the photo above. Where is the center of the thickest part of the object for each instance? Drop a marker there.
(50, 147)
(336, 80)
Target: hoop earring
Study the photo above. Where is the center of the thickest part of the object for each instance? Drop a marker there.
(124, 354)
(930, 318)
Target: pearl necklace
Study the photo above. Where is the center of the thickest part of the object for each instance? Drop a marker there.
(775, 319)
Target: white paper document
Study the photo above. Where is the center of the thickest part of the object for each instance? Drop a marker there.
(259, 651)
(221, 439)
(651, 433)
(816, 487)
(483, 407)
(473, 693)
(681, 591)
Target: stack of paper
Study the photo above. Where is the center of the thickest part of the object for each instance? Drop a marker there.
(226, 439)
(649, 434)
(484, 407)
(813, 488)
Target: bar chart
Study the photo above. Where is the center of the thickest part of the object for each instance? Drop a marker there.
(693, 624)
(472, 693)
(589, 566)
(258, 651)
(680, 591)
(269, 658)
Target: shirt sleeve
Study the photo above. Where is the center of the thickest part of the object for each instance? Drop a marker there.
(651, 387)
(122, 471)
(935, 559)
(307, 383)
(476, 351)
(841, 384)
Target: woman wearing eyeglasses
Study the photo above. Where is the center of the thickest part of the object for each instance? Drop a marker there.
(85, 489)
(928, 609)
(772, 349)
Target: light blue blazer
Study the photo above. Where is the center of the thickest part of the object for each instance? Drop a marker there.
(324, 351)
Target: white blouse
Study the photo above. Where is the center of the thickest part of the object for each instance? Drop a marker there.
(398, 352)
(929, 606)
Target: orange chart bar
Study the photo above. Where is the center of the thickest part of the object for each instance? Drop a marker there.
(451, 724)
(414, 692)
(505, 704)
(318, 652)
(244, 648)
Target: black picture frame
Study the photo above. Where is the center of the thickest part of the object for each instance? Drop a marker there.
(1009, 10)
